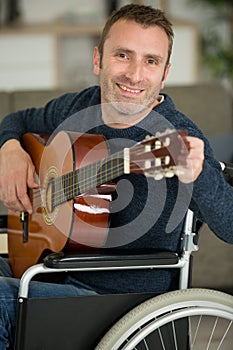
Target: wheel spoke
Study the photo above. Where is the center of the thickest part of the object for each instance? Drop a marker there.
(161, 339)
(212, 333)
(224, 335)
(174, 335)
(196, 331)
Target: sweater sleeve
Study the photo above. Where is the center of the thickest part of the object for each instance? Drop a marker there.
(212, 198)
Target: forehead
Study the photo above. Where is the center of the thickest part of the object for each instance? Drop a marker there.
(134, 36)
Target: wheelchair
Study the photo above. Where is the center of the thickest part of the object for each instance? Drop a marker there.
(185, 319)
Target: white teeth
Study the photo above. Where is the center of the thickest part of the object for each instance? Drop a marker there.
(129, 90)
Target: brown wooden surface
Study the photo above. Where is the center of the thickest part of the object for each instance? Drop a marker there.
(61, 155)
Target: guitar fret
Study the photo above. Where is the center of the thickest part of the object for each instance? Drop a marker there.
(100, 173)
(65, 185)
(77, 179)
(58, 189)
(110, 169)
(70, 185)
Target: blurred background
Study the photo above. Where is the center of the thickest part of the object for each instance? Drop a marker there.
(46, 49)
(49, 44)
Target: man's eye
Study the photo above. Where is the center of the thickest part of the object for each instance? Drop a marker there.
(152, 61)
(122, 55)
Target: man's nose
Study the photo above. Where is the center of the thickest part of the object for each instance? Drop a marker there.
(135, 71)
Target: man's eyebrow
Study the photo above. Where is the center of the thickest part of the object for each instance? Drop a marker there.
(124, 49)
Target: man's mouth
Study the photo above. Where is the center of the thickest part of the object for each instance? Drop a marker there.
(130, 90)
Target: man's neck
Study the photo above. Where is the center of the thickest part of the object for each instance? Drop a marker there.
(112, 118)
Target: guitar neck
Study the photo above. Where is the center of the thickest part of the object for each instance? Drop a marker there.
(156, 157)
(84, 179)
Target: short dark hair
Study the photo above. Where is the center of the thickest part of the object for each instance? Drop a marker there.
(145, 15)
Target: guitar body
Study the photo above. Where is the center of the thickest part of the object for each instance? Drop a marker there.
(77, 222)
(71, 206)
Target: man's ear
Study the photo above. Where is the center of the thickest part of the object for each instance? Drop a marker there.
(96, 61)
(167, 68)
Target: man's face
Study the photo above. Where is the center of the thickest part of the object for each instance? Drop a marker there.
(133, 68)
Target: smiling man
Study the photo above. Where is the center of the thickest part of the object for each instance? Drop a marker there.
(132, 70)
(132, 62)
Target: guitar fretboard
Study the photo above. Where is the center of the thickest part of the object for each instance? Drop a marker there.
(80, 181)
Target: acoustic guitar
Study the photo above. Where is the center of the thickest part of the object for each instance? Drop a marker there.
(75, 173)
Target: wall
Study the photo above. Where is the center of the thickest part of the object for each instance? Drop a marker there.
(69, 58)
(190, 18)
(34, 11)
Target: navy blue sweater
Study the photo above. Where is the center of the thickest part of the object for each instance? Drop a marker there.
(145, 213)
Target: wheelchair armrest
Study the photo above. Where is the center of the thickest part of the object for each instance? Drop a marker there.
(118, 258)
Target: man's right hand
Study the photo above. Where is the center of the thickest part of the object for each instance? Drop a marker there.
(16, 176)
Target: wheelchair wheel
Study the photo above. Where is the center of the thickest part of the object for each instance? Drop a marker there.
(191, 319)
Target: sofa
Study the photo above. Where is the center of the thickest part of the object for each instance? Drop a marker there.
(210, 107)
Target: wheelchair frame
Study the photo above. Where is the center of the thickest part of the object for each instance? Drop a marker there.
(59, 262)
(86, 261)
(131, 317)
(136, 316)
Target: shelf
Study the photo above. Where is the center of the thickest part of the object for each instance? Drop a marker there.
(54, 28)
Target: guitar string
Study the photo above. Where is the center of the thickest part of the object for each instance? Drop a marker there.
(103, 173)
(70, 189)
(82, 183)
(115, 169)
(60, 195)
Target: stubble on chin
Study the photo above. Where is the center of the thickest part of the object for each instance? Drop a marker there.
(128, 108)
(115, 105)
